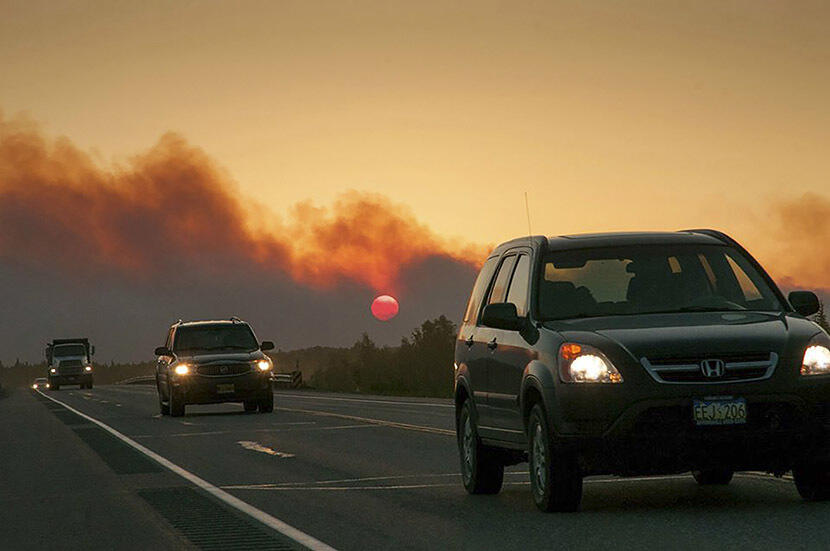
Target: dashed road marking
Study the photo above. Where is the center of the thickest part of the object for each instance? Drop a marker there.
(257, 447)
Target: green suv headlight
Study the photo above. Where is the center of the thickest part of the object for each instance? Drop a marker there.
(263, 365)
(816, 359)
(579, 363)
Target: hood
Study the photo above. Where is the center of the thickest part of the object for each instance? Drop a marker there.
(685, 334)
(222, 357)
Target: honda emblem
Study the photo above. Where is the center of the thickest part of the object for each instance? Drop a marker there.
(713, 369)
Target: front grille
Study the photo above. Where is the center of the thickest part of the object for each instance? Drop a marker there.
(737, 367)
(223, 370)
(70, 367)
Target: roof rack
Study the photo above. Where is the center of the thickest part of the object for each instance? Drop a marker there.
(235, 319)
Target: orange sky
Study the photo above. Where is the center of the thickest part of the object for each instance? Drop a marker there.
(612, 115)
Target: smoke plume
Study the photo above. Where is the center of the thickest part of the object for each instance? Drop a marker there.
(171, 209)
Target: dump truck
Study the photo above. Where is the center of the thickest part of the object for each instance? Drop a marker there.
(69, 362)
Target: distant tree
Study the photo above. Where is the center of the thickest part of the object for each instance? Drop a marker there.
(821, 317)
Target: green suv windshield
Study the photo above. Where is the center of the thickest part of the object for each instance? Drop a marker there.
(647, 279)
(207, 338)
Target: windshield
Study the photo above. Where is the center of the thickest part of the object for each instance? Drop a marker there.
(65, 350)
(196, 338)
(650, 279)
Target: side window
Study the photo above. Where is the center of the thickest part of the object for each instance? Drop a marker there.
(517, 294)
(499, 290)
(480, 287)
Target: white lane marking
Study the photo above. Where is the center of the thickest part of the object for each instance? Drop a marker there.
(322, 485)
(257, 447)
(263, 517)
(367, 400)
(405, 426)
(340, 481)
(236, 432)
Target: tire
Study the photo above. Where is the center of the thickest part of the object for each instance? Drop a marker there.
(175, 403)
(481, 470)
(164, 409)
(267, 405)
(89, 385)
(56, 387)
(713, 477)
(813, 481)
(250, 406)
(555, 479)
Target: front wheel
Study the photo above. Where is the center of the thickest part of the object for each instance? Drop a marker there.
(175, 403)
(813, 481)
(267, 405)
(555, 479)
(481, 470)
(713, 477)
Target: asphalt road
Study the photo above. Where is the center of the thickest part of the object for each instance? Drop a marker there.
(361, 472)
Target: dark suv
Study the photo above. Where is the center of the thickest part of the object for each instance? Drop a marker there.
(638, 354)
(208, 362)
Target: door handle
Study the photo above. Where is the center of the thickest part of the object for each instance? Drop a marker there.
(492, 345)
(469, 342)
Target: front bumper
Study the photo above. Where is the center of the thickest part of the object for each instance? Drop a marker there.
(72, 379)
(650, 429)
(199, 389)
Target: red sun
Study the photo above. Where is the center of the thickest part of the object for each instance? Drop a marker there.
(385, 307)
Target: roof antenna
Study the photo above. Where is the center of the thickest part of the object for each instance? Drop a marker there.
(527, 211)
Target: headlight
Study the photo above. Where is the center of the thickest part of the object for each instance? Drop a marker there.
(88, 368)
(53, 370)
(816, 360)
(263, 365)
(579, 363)
(34, 386)
(181, 369)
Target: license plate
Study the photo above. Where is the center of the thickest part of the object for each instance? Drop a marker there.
(719, 411)
(224, 389)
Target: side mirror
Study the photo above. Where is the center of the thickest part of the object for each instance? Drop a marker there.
(502, 315)
(266, 345)
(163, 351)
(804, 302)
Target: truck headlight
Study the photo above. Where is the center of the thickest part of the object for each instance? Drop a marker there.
(88, 368)
(53, 370)
(816, 360)
(579, 363)
(263, 365)
(181, 369)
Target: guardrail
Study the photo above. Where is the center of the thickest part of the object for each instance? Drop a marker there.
(293, 379)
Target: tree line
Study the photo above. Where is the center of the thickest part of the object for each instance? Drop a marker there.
(421, 365)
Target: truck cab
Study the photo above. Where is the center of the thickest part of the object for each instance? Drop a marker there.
(69, 362)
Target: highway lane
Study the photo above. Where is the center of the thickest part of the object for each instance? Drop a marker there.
(360, 472)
